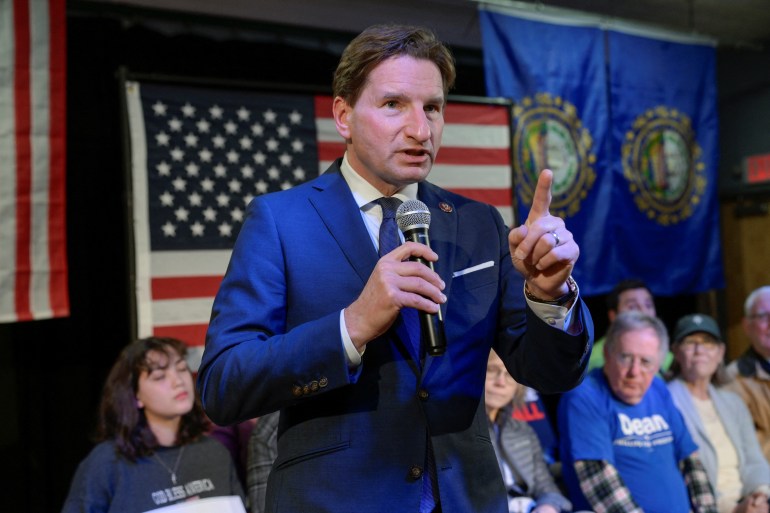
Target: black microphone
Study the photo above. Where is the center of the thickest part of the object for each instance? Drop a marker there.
(413, 218)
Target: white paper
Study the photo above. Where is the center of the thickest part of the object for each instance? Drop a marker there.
(224, 504)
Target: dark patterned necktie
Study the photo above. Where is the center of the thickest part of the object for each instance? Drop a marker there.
(390, 240)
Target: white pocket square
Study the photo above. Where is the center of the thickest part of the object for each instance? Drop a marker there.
(473, 269)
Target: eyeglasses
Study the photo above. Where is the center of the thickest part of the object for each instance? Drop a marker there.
(708, 345)
(763, 317)
(647, 365)
(494, 373)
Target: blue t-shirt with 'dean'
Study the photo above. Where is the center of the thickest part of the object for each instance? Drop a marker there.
(645, 442)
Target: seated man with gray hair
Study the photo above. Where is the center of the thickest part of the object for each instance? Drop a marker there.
(751, 371)
(624, 445)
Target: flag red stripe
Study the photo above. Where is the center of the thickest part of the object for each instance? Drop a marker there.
(191, 334)
(57, 244)
(474, 156)
(476, 114)
(323, 107)
(23, 158)
(328, 151)
(180, 287)
(497, 197)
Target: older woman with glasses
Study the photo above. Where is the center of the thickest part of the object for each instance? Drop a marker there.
(531, 488)
(717, 419)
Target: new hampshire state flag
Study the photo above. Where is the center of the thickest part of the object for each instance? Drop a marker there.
(556, 75)
(628, 125)
(665, 222)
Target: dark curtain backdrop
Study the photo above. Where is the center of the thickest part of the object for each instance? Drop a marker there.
(51, 372)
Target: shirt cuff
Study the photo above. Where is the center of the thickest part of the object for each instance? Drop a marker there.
(559, 317)
(353, 356)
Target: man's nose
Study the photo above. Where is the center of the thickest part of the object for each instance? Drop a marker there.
(635, 368)
(417, 126)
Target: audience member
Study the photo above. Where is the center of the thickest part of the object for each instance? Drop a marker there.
(624, 445)
(717, 419)
(532, 410)
(627, 295)
(751, 371)
(153, 449)
(526, 477)
(263, 449)
(318, 313)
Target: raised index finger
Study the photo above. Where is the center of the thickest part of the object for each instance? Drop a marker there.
(541, 201)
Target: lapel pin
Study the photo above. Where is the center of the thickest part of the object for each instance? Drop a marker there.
(446, 207)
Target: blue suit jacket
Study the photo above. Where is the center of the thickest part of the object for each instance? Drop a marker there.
(356, 441)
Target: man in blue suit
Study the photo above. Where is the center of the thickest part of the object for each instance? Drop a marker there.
(309, 320)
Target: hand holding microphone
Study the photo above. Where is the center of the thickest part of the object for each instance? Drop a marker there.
(413, 218)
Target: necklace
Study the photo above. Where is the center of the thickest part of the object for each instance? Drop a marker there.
(172, 473)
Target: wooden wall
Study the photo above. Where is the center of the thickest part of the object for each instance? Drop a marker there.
(745, 246)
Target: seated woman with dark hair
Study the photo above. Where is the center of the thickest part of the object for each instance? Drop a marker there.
(717, 419)
(153, 451)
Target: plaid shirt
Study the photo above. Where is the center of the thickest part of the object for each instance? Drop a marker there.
(605, 491)
(701, 494)
(603, 487)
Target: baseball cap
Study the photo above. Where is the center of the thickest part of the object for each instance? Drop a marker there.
(695, 323)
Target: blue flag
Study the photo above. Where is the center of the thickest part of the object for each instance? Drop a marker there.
(665, 226)
(628, 125)
(556, 74)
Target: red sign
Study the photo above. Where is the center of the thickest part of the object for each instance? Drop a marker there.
(757, 169)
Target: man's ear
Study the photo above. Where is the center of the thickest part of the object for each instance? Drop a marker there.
(611, 314)
(342, 116)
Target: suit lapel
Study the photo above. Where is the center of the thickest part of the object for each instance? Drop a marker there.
(443, 230)
(335, 205)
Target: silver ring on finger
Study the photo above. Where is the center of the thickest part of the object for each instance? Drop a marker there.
(556, 239)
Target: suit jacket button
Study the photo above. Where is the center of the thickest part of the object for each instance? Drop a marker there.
(423, 394)
(314, 386)
(415, 472)
(323, 382)
(296, 391)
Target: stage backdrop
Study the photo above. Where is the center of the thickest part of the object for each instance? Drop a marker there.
(199, 155)
(628, 123)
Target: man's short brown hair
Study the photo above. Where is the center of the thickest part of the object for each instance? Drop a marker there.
(381, 42)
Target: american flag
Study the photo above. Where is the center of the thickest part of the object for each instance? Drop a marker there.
(33, 252)
(200, 155)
